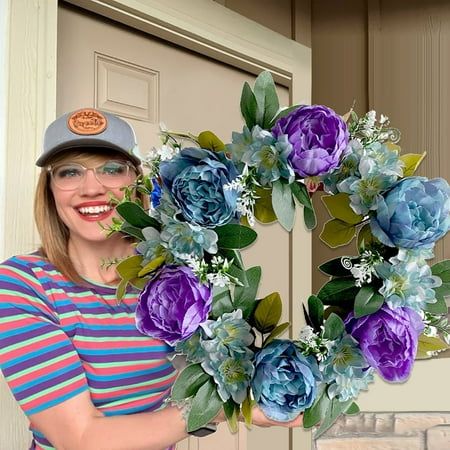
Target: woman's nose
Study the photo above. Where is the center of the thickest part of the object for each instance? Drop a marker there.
(90, 185)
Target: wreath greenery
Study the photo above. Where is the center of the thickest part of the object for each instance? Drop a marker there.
(380, 309)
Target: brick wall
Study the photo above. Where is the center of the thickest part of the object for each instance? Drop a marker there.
(388, 431)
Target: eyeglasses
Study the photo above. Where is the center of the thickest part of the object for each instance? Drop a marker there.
(111, 174)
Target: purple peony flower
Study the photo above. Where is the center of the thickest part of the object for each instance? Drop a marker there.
(388, 340)
(173, 304)
(318, 136)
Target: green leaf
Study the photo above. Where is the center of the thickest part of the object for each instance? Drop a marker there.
(232, 255)
(309, 217)
(440, 307)
(247, 408)
(121, 289)
(189, 382)
(367, 301)
(136, 216)
(205, 406)
(238, 273)
(338, 205)
(366, 240)
(316, 412)
(266, 99)
(231, 410)
(339, 291)
(315, 311)
(283, 204)
(335, 268)
(283, 113)
(130, 267)
(429, 344)
(333, 327)
(235, 236)
(334, 410)
(244, 296)
(268, 313)
(280, 329)
(132, 231)
(263, 208)
(352, 410)
(336, 233)
(152, 266)
(412, 162)
(442, 270)
(208, 140)
(221, 301)
(248, 106)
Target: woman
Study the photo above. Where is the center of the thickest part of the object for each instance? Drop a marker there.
(79, 369)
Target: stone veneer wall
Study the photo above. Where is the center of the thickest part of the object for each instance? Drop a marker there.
(388, 431)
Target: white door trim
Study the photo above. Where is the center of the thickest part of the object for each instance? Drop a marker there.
(203, 26)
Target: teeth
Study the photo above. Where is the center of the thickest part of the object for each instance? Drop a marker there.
(94, 209)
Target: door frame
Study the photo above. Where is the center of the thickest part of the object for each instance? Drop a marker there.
(202, 26)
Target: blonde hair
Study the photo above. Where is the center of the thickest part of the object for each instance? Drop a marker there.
(53, 232)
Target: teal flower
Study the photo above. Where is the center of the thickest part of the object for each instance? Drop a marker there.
(408, 284)
(192, 348)
(152, 247)
(346, 370)
(239, 145)
(182, 238)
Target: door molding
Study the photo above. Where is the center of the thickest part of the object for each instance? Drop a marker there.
(202, 26)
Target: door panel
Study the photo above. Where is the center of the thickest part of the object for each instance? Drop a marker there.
(146, 80)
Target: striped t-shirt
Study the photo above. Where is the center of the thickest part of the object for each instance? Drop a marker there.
(58, 339)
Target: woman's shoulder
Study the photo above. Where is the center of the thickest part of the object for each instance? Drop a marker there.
(25, 262)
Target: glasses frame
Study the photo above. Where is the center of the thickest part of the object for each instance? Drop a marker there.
(50, 169)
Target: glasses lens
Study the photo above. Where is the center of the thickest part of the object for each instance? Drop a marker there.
(113, 173)
(68, 176)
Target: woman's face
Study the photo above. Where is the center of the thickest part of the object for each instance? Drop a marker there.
(81, 197)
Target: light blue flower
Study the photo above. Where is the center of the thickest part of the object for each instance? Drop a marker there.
(239, 145)
(346, 370)
(183, 238)
(414, 213)
(408, 284)
(195, 178)
(285, 381)
(152, 247)
(232, 374)
(191, 348)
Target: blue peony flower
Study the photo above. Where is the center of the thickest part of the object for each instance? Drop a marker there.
(195, 179)
(408, 283)
(345, 370)
(415, 213)
(285, 381)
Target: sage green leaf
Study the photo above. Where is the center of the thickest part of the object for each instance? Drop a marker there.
(235, 236)
(152, 266)
(283, 204)
(266, 99)
(412, 162)
(336, 233)
(316, 412)
(309, 217)
(440, 307)
(136, 216)
(239, 274)
(268, 313)
(244, 296)
(429, 344)
(232, 410)
(263, 208)
(340, 291)
(367, 301)
(352, 410)
(283, 113)
(221, 301)
(128, 229)
(334, 410)
(300, 192)
(247, 408)
(189, 382)
(442, 270)
(248, 106)
(333, 327)
(335, 267)
(315, 311)
(338, 205)
(207, 139)
(280, 329)
(205, 406)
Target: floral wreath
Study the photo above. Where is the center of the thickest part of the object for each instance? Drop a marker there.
(381, 308)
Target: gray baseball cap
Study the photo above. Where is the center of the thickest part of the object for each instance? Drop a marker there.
(91, 128)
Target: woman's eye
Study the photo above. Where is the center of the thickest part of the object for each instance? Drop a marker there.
(113, 169)
(68, 172)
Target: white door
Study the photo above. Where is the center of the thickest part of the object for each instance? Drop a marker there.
(147, 81)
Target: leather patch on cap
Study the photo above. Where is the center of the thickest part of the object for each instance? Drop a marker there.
(87, 121)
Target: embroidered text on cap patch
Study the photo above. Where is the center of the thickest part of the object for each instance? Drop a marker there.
(87, 121)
